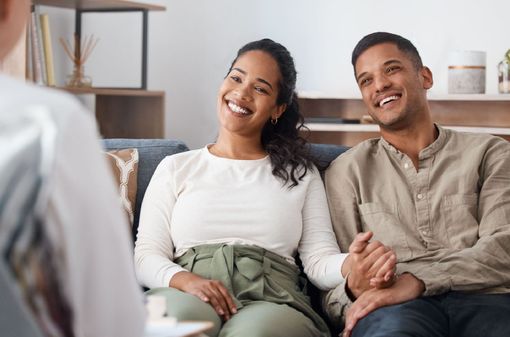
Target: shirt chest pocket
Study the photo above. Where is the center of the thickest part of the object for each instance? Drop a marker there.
(386, 227)
(459, 213)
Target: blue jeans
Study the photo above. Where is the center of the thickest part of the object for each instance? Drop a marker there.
(452, 314)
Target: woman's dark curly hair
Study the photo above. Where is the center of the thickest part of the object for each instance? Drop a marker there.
(287, 150)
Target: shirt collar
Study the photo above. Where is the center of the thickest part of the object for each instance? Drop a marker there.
(426, 152)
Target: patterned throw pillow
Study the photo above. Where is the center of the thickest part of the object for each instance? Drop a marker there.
(124, 165)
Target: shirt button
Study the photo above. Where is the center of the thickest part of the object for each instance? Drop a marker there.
(406, 165)
(419, 196)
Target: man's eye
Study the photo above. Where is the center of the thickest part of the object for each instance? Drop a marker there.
(236, 78)
(392, 69)
(364, 81)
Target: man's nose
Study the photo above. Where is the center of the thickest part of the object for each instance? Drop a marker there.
(381, 83)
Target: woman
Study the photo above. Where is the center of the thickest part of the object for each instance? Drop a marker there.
(220, 226)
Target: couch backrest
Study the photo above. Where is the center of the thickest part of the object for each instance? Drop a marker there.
(152, 151)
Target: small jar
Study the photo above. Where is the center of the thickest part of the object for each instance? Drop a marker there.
(504, 74)
(466, 72)
(78, 79)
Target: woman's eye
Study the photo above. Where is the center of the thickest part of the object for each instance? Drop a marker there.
(261, 90)
(236, 78)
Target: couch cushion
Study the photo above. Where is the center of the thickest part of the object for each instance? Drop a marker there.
(124, 166)
(150, 152)
(324, 154)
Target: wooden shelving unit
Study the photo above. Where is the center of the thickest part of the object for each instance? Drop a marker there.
(467, 113)
(120, 113)
(126, 113)
(98, 4)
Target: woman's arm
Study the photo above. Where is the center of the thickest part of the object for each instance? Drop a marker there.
(154, 246)
(318, 249)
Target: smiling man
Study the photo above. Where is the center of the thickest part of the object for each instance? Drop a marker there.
(440, 199)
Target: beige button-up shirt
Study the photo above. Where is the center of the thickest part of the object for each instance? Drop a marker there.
(448, 221)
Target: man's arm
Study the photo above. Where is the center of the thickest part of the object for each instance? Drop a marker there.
(369, 264)
(406, 288)
(485, 264)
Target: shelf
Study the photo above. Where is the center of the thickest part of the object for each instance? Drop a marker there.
(375, 128)
(121, 112)
(470, 113)
(470, 98)
(431, 97)
(488, 111)
(98, 4)
(112, 92)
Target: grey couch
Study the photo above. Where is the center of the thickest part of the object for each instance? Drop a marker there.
(152, 151)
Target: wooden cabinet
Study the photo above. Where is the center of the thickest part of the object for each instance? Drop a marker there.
(470, 113)
(120, 113)
(128, 113)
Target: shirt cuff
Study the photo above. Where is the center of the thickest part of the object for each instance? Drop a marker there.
(436, 280)
(333, 276)
(336, 303)
(171, 272)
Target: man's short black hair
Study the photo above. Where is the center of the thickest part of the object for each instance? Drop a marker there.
(403, 44)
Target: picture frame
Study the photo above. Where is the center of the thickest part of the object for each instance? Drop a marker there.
(120, 58)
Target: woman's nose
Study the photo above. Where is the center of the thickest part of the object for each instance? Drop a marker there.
(242, 92)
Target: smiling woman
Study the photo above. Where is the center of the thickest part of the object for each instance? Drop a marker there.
(220, 227)
(262, 77)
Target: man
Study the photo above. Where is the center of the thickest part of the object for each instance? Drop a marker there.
(440, 199)
(66, 257)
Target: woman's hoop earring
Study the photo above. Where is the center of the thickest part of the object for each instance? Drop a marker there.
(274, 121)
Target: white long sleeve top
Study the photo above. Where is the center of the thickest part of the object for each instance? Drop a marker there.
(84, 218)
(196, 198)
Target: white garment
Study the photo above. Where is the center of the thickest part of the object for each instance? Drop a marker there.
(196, 198)
(83, 217)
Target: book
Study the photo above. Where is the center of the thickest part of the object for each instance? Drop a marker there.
(29, 58)
(37, 61)
(40, 44)
(48, 50)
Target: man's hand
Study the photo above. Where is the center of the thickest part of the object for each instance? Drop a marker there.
(370, 265)
(210, 291)
(407, 287)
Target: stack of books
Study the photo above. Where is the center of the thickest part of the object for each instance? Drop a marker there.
(40, 67)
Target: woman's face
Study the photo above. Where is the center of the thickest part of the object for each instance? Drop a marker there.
(247, 97)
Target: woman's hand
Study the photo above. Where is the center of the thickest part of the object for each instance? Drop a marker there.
(369, 265)
(210, 291)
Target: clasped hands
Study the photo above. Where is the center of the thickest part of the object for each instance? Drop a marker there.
(370, 272)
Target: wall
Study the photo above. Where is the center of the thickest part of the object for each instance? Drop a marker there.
(193, 42)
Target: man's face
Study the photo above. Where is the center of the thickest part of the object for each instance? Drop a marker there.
(393, 90)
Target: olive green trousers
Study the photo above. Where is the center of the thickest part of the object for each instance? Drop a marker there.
(265, 288)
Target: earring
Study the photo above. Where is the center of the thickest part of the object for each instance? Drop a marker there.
(274, 121)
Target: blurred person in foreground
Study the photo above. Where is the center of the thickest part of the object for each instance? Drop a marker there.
(66, 257)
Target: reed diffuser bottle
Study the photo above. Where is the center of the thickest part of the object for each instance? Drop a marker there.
(79, 55)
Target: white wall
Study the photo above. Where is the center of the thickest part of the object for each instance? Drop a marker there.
(193, 42)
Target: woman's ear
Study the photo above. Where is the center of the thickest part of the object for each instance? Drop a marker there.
(280, 109)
